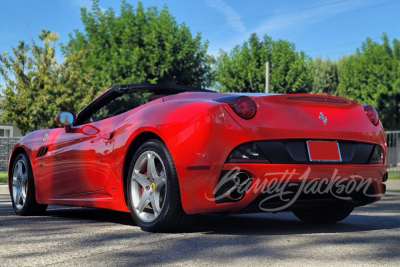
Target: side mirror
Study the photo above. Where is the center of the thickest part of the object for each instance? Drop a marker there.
(66, 119)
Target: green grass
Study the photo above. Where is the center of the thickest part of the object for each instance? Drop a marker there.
(3, 177)
(393, 176)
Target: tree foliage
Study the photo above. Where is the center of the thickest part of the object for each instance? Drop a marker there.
(136, 46)
(372, 76)
(326, 77)
(149, 45)
(243, 68)
(37, 88)
(139, 45)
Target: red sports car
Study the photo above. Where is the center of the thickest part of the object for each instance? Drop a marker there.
(167, 152)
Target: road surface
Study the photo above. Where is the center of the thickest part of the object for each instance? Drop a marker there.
(93, 237)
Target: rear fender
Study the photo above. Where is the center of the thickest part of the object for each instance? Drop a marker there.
(205, 143)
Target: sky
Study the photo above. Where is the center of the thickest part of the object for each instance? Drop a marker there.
(326, 28)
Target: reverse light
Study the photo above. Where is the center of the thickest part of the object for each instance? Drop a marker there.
(247, 153)
(243, 106)
(377, 156)
(371, 113)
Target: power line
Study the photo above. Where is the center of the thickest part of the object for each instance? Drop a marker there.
(316, 17)
(271, 14)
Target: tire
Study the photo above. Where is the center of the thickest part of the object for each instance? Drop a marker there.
(22, 188)
(158, 188)
(331, 216)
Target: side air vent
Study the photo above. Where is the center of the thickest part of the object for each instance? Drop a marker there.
(318, 99)
(42, 151)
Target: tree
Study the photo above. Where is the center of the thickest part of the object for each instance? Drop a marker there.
(372, 76)
(138, 46)
(134, 47)
(243, 68)
(325, 76)
(37, 88)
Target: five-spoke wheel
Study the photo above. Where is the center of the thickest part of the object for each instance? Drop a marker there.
(153, 189)
(19, 184)
(148, 186)
(22, 188)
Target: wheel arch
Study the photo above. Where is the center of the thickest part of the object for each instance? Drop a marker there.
(18, 150)
(133, 147)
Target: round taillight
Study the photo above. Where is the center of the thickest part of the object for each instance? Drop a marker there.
(245, 107)
(371, 114)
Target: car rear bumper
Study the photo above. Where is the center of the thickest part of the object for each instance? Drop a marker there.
(283, 187)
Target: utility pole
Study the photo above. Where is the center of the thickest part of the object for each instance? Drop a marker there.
(267, 77)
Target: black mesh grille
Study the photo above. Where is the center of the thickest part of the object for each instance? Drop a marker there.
(295, 151)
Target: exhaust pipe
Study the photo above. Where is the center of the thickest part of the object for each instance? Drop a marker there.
(238, 184)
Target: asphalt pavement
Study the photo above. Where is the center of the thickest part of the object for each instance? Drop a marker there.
(67, 236)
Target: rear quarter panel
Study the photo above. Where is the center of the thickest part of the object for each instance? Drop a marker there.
(166, 119)
(196, 132)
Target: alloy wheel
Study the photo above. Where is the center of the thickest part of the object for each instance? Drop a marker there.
(148, 186)
(19, 184)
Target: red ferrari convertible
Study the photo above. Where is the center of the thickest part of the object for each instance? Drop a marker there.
(167, 152)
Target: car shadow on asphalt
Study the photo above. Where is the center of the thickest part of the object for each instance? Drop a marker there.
(380, 215)
(91, 214)
(287, 224)
(244, 224)
(377, 216)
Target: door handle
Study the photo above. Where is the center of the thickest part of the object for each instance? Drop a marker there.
(109, 138)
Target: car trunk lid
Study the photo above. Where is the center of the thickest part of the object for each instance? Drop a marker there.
(308, 116)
